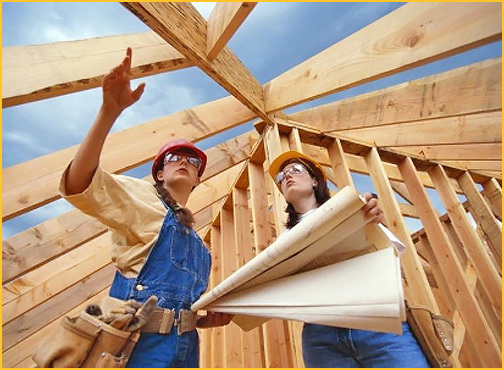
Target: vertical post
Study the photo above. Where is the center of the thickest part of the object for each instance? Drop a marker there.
(339, 165)
(276, 353)
(252, 354)
(217, 341)
(232, 335)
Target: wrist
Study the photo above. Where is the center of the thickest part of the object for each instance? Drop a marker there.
(109, 112)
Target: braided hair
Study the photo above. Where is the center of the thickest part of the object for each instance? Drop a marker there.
(183, 214)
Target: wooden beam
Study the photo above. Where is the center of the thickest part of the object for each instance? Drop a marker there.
(339, 165)
(37, 245)
(216, 277)
(456, 152)
(25, 349)
(421, 33)
(36, 72)
(259, 205)
(484, 214)
(419, 291)
(252, 354)
(34, 183)
(182, 26)
(493, 192)
(31, 321)
(452, 271)
(485, 165)
(473, 245)
(470, 129)
(224, 21)
(232, 336)
(359, 148)
(46, 282)
(471, 89)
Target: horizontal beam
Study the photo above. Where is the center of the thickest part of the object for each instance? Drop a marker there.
(466, 90)
(467, 129)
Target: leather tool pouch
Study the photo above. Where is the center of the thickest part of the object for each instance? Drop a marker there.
(434, 334)
(85, 341)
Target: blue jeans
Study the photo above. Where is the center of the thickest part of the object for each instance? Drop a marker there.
(330, 347)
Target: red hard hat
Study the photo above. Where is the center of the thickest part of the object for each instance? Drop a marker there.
(172, 146)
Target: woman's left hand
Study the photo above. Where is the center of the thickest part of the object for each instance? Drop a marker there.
(371, 208)
(214, 319)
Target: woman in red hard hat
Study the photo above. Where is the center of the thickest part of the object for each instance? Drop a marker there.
(155, 249)
(303, 184)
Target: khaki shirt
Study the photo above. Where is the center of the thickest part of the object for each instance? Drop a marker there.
(131, 209)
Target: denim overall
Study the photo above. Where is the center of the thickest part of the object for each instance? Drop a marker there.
(176, 271)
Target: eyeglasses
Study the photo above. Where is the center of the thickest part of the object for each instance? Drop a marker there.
(177, 157)
(295, 169)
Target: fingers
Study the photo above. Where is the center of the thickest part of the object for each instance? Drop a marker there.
(138, 92)
(371, 208)
(127, 60)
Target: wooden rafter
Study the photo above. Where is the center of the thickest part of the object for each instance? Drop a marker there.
(225, 19)
(35, 72)
(184, 28)
(422, 33)
(477, 88)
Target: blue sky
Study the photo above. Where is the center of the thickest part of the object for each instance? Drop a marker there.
(274, 38)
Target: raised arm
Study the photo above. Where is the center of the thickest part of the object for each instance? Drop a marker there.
(117, 96)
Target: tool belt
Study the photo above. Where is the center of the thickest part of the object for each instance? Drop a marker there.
(433, 332)
(107, 338)
(86, 341)
(162, 321)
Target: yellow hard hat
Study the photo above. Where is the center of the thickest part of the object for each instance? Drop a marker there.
(313, 165)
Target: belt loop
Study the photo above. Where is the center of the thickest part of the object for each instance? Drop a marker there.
(167, 321)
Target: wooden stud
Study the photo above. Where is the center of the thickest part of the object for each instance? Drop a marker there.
(418, 287)
(485, 216)
(473, 245)
(232, 335)
(451, 269)
(252, 353)
(217, 339)
(493, 192)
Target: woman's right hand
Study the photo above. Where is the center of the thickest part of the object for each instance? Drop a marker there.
(117, 93)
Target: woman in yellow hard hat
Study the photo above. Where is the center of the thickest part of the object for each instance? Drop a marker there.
(303, 183)
(155, 249)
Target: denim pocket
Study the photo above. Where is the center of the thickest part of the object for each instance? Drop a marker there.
(184, 250)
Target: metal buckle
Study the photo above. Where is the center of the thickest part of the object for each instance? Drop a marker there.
(177, 322)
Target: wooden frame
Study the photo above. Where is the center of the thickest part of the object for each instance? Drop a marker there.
(406, 138)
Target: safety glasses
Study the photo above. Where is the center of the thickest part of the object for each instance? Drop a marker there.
(295, 169)
(177, 157)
